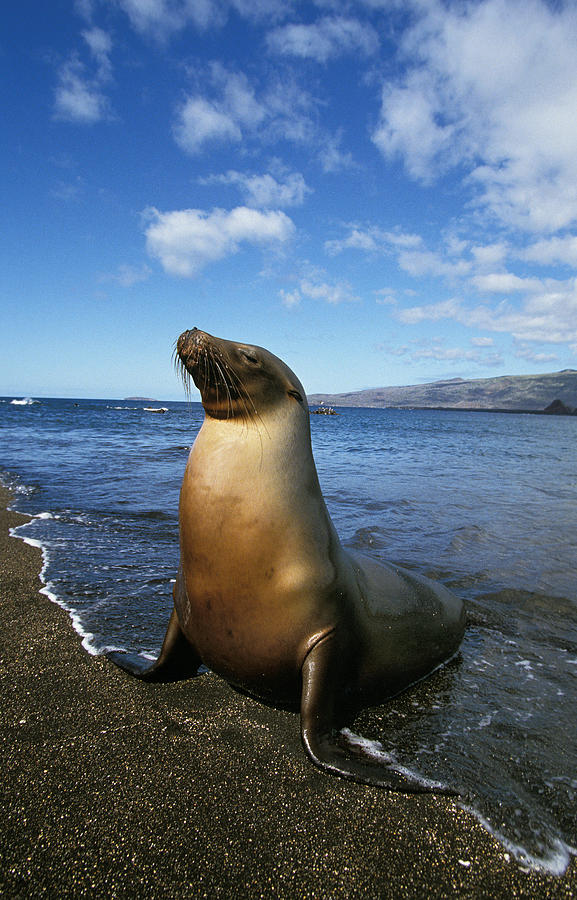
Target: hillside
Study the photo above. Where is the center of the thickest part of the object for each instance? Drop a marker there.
(507, 392)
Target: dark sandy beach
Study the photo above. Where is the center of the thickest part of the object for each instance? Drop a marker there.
(111, 787)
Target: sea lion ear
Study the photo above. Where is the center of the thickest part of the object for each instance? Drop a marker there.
(294, 393)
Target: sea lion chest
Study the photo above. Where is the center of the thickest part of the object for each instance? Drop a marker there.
(255, 541)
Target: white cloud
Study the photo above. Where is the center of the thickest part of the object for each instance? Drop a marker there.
(238, 97)
(314, 284)
(234, 111)
(331, 157)
(433, 349)
(482, 342)
(200, 122)
(79, 98)
(127, 276)
(290, 299)
(410, 128)
(545, 316)
(491, 86)
(422, 262)
(373, 239)
(100, 45)
(531, 355)
(187, 240)
(264, 190)
(68, 190)
(445, 309)
(505, 283)
(386, 297)
(290, 112)
(325, 39)
(337, 292)
(79, 95)
(552, 250)
(160, 19)
(489, 255)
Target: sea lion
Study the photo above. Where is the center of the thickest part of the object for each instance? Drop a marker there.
(266, 595)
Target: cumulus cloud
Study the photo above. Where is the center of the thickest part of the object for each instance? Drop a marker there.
(374, 240)
(160, 19)
(315, 286)
(331, 36)
(100, 45)
(265, 191)
(551, 251)
(184, 241)
(433, 349)
(505, 283)
(290, 299)
(531, 355)
(479, 91)
(531, 309)
(545, 316)
(334, 293)
(234, 111)
(201, 122)
(488, 255)
(445, 309)
(79, 95)
(127, 276)
(331, 157)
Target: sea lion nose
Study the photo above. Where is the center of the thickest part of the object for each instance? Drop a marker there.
(187, 336)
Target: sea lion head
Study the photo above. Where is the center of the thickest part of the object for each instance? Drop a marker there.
(236, 380)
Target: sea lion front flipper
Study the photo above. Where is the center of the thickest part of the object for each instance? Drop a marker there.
(178, 659)
(338, 751)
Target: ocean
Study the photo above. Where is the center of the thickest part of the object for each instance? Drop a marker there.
(484, 502)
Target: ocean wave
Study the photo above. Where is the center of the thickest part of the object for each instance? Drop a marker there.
(48, 589)
(554, 861)
(25, 401)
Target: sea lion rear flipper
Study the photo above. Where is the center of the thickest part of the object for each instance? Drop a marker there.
(338, 750)
(178, 659)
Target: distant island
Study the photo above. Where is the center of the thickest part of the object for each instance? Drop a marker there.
(141, 399)
(555, 394)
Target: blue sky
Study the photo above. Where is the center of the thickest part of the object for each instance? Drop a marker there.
(380, 192)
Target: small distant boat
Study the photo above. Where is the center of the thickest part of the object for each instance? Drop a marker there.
(156, 409)
(26, 401)
(324, 411)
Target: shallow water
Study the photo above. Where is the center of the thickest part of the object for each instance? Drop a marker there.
(485, 503)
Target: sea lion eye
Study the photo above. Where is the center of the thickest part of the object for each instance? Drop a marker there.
(296, 395)
(249, 356)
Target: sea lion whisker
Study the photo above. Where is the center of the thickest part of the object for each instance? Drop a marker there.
(232, 383)
(182, 373)
(253, 414)
(220, 379)
(205, 363)
(213, 376)
(229, 406)
(240, 390)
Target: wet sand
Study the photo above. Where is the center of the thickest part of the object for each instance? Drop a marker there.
(111, 787)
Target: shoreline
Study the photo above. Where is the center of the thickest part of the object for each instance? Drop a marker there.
(115, 787)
